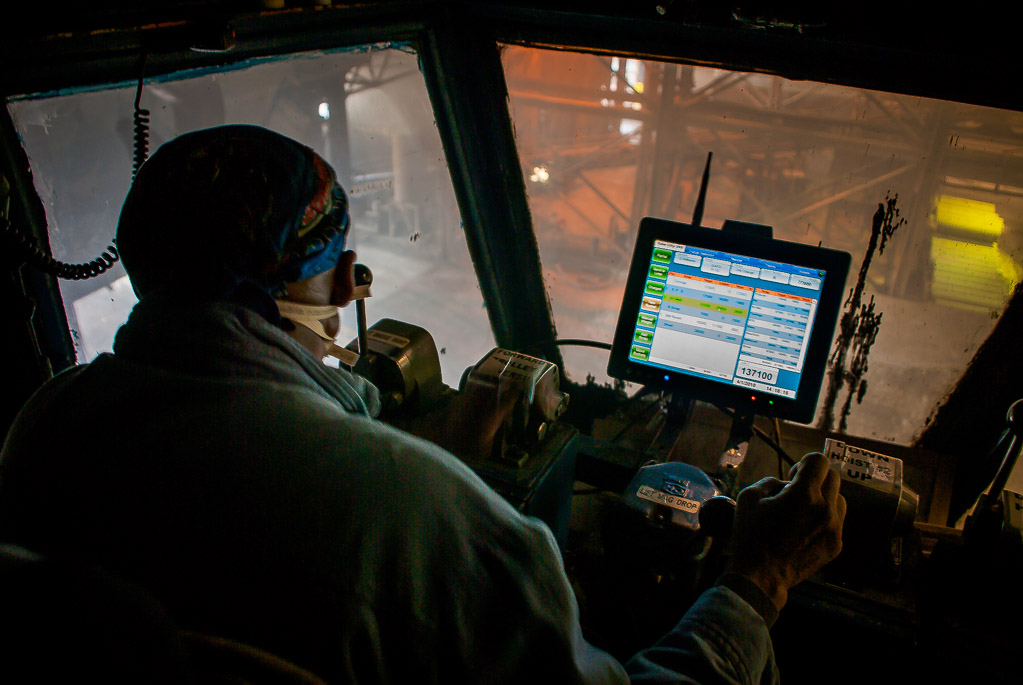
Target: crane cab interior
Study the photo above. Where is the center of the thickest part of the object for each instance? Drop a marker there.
(503, 160)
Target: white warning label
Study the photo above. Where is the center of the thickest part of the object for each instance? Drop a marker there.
(674, 501)
(873, 469)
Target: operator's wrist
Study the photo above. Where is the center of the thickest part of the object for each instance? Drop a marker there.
(753, 594)
(770, 583)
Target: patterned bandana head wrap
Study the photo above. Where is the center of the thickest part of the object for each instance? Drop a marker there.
(234, 212)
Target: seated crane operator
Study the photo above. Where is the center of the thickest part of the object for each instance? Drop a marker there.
(215, 460)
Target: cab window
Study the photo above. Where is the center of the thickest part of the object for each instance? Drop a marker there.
(605, 140)
(365, 110)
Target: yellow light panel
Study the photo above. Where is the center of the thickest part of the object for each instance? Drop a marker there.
(971, 216)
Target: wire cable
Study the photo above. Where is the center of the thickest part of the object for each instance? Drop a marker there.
(30, 252)
(577, 342)
(140, 129)
(27, 247)
(777, 438)
(774, 445)
(762, 434)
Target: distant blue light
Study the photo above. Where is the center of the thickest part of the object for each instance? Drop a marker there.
(666, 377)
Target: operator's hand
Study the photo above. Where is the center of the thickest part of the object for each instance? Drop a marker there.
(468, 423)
(785, 531)
(475, 417)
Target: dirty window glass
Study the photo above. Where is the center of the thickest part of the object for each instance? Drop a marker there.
(605, 141)
(365, 110)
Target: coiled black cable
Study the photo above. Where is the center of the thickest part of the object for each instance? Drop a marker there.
(140, 132)
(30, 251)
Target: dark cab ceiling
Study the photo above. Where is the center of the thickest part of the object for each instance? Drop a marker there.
(961, 54)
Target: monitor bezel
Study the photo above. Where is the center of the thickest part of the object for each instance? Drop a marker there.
(802, 409)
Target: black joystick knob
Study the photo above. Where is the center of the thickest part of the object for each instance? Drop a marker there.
(717, 516)
(1014, 417)
(363, 276)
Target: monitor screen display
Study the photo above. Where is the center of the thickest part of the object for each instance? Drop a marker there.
(730, 318)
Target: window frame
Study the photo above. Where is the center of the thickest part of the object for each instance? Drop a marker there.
(458, 45)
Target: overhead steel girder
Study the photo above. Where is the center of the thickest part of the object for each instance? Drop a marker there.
(729, 116)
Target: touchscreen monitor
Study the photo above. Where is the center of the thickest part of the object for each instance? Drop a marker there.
(731, 318)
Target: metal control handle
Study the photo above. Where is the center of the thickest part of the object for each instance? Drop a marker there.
(363, 280)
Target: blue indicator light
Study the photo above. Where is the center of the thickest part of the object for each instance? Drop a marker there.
(666, 377)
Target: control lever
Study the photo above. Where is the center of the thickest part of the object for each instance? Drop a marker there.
(671, 527)
(348, 357)
(969, 580)
(399, 358)
(880, 505)
(734, 455)
(717, 516)
(541, 400)
(986, 522)
(363, 280)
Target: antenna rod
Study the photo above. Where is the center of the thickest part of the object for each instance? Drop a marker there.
(702, 197)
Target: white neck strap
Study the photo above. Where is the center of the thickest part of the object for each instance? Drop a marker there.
(310, 316)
